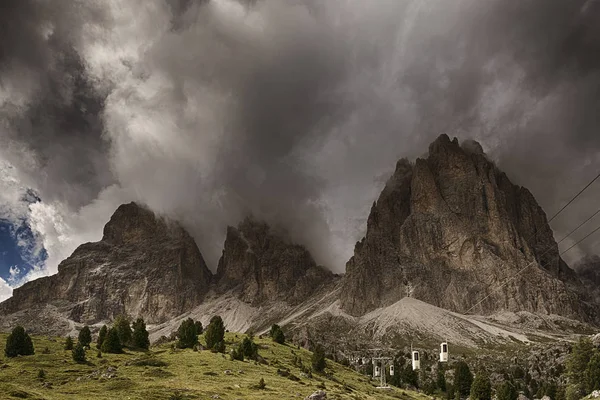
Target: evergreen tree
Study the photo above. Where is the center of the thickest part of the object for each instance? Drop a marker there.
(219, 347)
(85, 336)
(199, 328)
(18, 343)
(101, 336)
(481, 388)
(441, 380)
(69, 343)
(140, 335)
(592, 373)
(463, 378)
(123, 328)
(249, 348)
(506, 391)
(79, 353)
(318, 359)
(112, 343)
(277, 334)
(215, 332)
(579, 359)
(186, 334)
(410, 377)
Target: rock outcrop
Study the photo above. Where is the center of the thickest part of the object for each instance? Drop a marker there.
(453, 230)
(261, 265)
(588, 271)
(144, 266)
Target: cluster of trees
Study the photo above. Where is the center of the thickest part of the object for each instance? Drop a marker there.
(121, 334)
(246, 349)
(187, 334)
(583, 369)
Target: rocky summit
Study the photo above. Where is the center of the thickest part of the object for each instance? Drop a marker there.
(452, 230)
(144, 266)
(261, 265)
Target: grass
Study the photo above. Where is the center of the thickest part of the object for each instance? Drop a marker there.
(166, 373)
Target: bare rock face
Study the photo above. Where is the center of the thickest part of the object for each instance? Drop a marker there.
(144, 266)
(588, 270)
(451, 230)
(260, 265)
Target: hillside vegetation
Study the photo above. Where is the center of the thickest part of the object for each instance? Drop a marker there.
(165, 372)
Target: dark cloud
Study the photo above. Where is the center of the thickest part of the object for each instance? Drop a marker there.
(295, 111)
(56, 119)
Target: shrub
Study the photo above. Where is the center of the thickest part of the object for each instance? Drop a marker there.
(140, 334)
(101, 336)
(41, 375)
(261, 384)
(219, 347)
(18, 343)
(85, 336)
(318, 359)
(123, 328)
(78, 353)
(69, 343)
(112, 343)
(215, 332)
(186, 334)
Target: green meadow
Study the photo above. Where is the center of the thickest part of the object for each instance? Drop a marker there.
(165, 372)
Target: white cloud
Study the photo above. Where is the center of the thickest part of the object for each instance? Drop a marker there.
(5, 290)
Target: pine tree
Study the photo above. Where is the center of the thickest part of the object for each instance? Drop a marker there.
(79, 353)
(506, 391)
(112, 343)
(123, 328)
(481, 388)
(199, 328)
(318, 359)
(441, 380)
(140, 334)
(463, 378)
(101, 336)
(249, 348)
(215, 332)
(69, 343)
(592, 372)
(18, 343)
(277, 334)
(85, 336)
(186, 334)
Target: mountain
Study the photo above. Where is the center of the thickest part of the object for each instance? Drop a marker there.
(588, 270)
(260, 265)
(144, 266)
(451, 230)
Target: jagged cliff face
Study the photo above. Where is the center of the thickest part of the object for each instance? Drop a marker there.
(588, 270)
(144, 266)
(259, 265)
(451, 229)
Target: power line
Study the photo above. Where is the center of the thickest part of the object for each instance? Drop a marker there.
(574, 198)
(587, 236)
(580, 225)
(529, 265)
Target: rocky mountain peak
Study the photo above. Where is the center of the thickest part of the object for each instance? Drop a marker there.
(261, 265)
(133, 223)
(449, 230)
(144, 266)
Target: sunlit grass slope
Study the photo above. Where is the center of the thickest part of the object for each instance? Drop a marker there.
(166, 373)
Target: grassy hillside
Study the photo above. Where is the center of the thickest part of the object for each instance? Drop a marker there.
(164, 373)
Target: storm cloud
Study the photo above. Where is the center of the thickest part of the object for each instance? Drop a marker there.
(293, 111)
